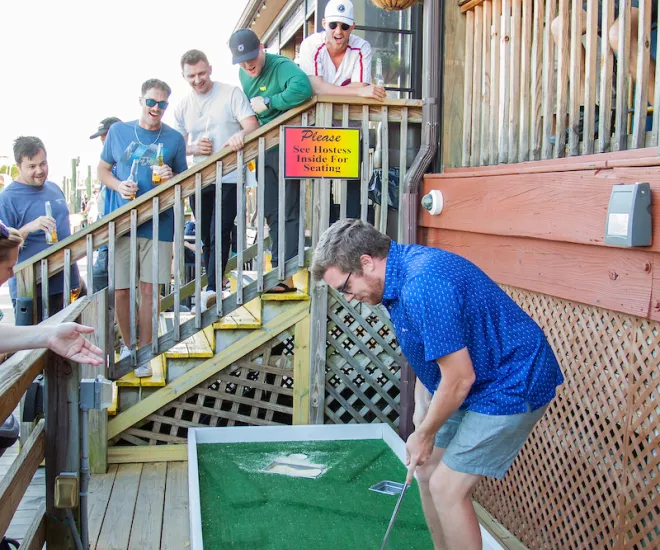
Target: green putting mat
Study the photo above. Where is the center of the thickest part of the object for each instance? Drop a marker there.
(244, 508)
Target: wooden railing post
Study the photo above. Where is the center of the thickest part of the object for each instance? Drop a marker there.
(62, 442)
(94, 316)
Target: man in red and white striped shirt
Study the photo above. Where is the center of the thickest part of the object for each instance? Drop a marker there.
(337, 61)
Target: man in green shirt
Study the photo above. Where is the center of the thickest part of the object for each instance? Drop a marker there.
(273, 84)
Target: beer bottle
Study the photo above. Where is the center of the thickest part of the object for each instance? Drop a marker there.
(133, 176)
(155, 177)
(378, 78)
(51, 236)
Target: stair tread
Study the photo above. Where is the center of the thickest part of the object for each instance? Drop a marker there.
(240, 318)
(157, 379)
(197, 346)
(112, 409)
(296, 296)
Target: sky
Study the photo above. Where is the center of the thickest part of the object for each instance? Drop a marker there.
(67, 64)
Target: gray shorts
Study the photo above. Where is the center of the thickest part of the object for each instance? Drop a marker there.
(483, 444)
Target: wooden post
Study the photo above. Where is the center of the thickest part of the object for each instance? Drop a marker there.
(301, 372)
(319, 313)
(62, 442)
(94, 316)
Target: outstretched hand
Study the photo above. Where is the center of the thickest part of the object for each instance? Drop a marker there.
(68, 341)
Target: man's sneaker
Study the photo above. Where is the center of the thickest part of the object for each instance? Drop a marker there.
(143, 372)
(208, 299)
(124, 352)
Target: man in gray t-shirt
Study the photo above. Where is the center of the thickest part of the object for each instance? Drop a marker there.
(212, 116)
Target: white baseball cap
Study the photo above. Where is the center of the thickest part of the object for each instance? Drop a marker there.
(340, 11)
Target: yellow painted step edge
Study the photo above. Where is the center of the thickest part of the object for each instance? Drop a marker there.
(112, 409)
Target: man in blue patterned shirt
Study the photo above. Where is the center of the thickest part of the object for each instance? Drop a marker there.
(487, 365)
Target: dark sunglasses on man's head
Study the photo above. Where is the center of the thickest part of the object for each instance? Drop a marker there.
(344, 26)
(152, 103)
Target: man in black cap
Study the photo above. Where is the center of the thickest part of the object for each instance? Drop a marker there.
(101, 263)
(273, 84)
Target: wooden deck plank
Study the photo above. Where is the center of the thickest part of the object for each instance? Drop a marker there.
(100, 487)
(116, 527)
(176, 530)
(125, 454)
(148, 517)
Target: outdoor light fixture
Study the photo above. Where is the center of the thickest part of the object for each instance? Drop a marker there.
(433, 202)
(629, 220)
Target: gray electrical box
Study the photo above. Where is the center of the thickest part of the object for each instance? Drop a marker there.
(629, 221)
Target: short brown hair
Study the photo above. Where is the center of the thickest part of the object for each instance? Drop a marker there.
(158, 84)
(27, 146)
(9, 240)
(192, 57)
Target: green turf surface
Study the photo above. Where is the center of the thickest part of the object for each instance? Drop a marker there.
(251, 510)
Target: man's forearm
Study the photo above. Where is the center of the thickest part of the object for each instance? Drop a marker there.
(321, 87)
(107, 178)
(19, 338)
(446, 401)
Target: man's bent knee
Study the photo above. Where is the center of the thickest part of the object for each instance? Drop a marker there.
(449, 486)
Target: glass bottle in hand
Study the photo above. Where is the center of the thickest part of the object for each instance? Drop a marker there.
(155, 176)
(51, 235)
(133, 176)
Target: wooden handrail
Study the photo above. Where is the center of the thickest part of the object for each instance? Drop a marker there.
(18, 372)
(76, 243)
(19, 475)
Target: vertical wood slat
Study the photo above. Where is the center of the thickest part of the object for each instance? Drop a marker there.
(90, 264)
(219, 268)
(642, 73)
(505, 82)
(110, 319)
(564, 53)
(475, 132)
(261, 181)
(537, 82)
(44, 289)
(301, 356)
(514, 80)
(621, 113)
(155, 294)
(178, 250)
(385, 179)
(590, 76)
(493, 136)
(67, 277)
(656, 97)
(525, 81)
(364, 182)
(198, 250)
(240, 215)
(467, 90)
(548, 80)
(486, 84)
(343, 200)
(606, 72)
(403, 168)
(133, 282)
(304, 184)
(575, 80)
(281, 226)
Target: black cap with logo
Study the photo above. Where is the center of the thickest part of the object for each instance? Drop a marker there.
(244, 45)
(104, 126)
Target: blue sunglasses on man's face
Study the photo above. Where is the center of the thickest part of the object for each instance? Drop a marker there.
(152, 103)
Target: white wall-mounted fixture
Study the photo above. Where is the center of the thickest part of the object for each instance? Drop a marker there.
(433, 202)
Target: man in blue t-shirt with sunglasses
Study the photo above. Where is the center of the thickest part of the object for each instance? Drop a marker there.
(125, 143)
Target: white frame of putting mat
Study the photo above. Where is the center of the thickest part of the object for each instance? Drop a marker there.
(256, 434)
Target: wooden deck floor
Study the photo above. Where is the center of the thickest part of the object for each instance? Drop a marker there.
(128, 504)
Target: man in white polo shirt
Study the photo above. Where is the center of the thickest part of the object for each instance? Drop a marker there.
(337, 61)
(213, 116)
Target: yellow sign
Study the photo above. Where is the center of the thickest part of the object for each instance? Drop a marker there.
(321, 153)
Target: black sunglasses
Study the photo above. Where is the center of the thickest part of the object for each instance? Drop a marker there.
(152, 103)
(343, 290)
(344, 26)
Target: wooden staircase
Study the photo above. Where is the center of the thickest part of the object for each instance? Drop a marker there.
(224, 333)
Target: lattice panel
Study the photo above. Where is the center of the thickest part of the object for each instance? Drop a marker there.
(362, 368)
(255, 391)
(588, 476)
